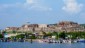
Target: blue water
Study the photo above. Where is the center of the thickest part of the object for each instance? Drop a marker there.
(39, 45)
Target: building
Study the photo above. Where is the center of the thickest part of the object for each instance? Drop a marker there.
(67, 26)
(42, 25)
(12, 29)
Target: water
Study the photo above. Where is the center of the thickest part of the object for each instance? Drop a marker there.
(40, 45)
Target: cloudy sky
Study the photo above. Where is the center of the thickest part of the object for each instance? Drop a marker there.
(18, 12)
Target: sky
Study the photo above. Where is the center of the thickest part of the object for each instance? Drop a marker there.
(19, 12)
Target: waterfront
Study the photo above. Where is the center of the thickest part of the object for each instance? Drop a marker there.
(40, 45)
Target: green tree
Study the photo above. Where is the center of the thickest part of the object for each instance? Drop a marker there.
(13, 31)
(49, 34)
(1, 36)
(62, 35)
(44, 34)
(32, 36)
(4, 32)
(55, 34)
(20, 36)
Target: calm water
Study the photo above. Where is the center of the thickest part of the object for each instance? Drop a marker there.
(39, 45)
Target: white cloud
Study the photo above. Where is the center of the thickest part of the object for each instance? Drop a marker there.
(36, 5)
(31, 1)
(72, 6)
(5, 6)
(28, 4)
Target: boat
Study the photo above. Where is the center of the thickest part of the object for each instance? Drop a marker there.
(81, 40)
(40, 41)
(21, 40)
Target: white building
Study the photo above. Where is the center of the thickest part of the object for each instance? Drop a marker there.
(42, 25)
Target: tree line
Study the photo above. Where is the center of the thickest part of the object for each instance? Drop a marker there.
(63, 35)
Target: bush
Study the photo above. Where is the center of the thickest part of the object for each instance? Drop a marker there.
(20, 36)
(1, 36)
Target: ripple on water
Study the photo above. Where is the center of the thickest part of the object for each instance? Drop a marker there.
(39, 45)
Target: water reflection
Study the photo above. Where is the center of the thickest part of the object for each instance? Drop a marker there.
(39, 45)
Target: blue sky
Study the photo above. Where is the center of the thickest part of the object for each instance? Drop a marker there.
(18, 12)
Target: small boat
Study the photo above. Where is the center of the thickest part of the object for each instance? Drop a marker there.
(54, 41)
(21, 40)
(40, 41)
(75, 41)
(69, 41)
(81, 40)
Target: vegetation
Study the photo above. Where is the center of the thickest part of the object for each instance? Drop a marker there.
(1, 36)
(63, 35)
(20, 36)
(76, 35)
(26, 36)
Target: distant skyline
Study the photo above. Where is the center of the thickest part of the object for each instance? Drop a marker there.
(19, 12)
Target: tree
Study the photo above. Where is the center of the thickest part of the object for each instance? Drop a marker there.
(55, 34)
(4, 32)
(32, 36)
(1, 36)
(27, 35)
(20, 36)
(13, 31)
(44, 34)
(62, 35)
(49, 34)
